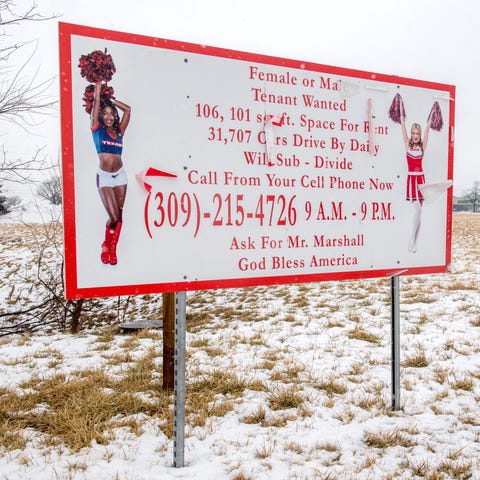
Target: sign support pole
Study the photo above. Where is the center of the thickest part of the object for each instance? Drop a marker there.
(395, 293)
(179, 380)
(168, 340)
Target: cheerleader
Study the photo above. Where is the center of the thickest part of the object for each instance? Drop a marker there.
(415, 148)
(108, 130)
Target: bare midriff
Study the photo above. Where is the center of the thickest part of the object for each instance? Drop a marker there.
(110, 162)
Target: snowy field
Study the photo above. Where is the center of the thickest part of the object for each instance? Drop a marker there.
(283, 382)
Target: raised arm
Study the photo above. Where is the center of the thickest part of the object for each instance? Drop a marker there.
(427, 129)
(404, 128)
(94, 115)
(126, 110)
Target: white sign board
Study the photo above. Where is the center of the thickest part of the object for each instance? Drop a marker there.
(243, 169)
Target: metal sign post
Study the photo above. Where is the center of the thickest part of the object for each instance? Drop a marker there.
(179, 380)
(168, 340)
(395, 289)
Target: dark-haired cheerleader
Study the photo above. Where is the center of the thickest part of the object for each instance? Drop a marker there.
(108, 130)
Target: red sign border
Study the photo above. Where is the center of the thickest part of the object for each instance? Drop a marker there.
(72, 291)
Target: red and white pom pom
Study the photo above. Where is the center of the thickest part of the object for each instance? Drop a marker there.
(97, 66)
(397, 109)
(436, 117)
(89, 96)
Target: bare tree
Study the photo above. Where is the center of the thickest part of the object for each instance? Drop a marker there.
(51, 189)
(23, 96)
(472, 197)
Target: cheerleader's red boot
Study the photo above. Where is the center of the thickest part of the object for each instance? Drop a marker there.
(113, 244)
(105, 255)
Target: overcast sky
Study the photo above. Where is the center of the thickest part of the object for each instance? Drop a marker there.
(435, 40)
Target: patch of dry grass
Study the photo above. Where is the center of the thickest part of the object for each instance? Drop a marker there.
(76, 410)
(417, 359)
(389, 438)
(331, 385)
(283, 398)
(359, 333)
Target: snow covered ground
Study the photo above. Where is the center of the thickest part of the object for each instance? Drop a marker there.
(313, 365)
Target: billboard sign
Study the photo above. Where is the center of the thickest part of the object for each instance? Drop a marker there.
(201, 167)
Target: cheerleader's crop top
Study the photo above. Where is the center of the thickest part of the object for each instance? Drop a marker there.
(104, 143)
(414, 161)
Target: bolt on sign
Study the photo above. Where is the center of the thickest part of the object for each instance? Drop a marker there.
(191, 167)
